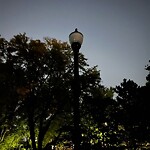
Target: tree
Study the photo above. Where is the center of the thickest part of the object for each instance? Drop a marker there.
(34, 74)
(41, 83)
(36, 82)
(8, 99)
(97, 106)
(147, 67)
(132, 112)
(127, 99)
(144, 110)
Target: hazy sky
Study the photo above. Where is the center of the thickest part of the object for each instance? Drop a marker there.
(116, 32)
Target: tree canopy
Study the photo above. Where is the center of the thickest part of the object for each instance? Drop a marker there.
(36, 81)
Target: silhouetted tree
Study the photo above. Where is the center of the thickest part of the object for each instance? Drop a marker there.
(132, 112)
(36, 81)
(40, 75)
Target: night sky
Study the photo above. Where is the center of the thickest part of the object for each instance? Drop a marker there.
(116, 32)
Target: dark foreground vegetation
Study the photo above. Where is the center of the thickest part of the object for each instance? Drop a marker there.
(36, 80)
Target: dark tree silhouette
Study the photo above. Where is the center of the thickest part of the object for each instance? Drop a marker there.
(39, 78)
(36, 82)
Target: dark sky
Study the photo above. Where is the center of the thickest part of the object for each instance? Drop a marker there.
(116, 32)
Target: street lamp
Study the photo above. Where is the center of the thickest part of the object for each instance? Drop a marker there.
(76, 39)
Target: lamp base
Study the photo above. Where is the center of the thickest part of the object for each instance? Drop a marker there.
(76, 46)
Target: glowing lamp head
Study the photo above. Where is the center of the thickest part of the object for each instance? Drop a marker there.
(76, 39)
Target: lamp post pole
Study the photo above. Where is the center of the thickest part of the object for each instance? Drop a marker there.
(76, 94)
(76, 39)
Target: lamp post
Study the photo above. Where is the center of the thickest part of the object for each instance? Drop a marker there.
(76, 39)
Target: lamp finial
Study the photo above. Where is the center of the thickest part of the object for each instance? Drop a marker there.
(76, 30)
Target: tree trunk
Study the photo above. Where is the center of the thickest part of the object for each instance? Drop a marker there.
(32, 133)
(30, 112)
